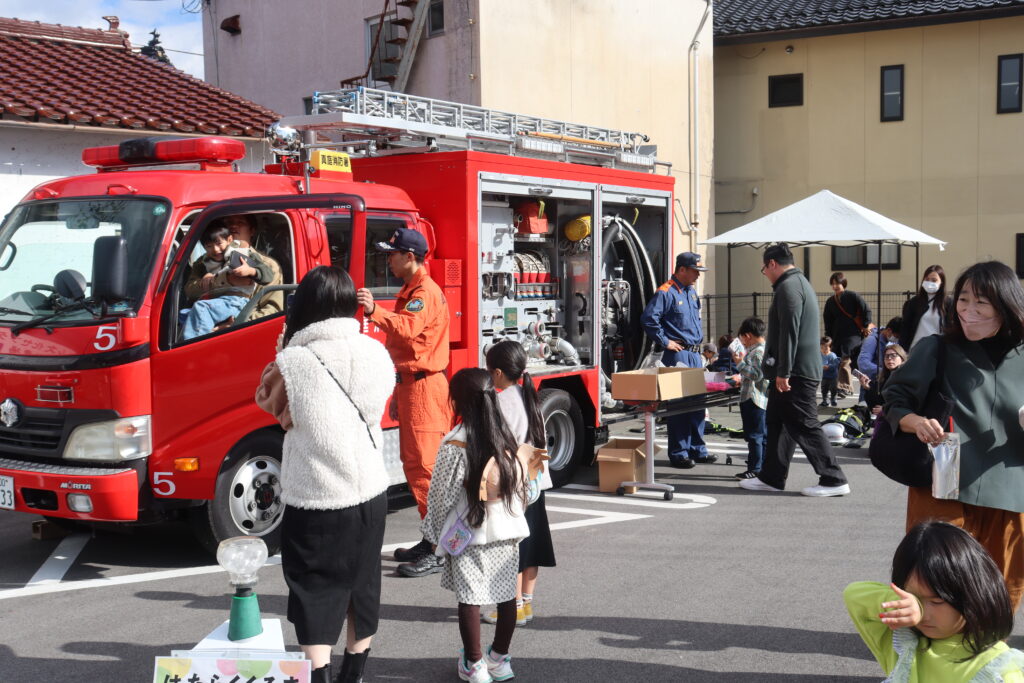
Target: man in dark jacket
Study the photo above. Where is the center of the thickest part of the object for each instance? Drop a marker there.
(792, 364)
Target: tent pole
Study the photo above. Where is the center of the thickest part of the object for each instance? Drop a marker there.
(728, 300)
(878, 301)
(917, 265)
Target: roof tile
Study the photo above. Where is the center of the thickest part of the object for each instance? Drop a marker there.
(52, 73)
(739, 17)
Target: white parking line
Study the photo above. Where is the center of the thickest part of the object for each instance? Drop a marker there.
(42, 589)
(640, 498)
(598, 517)
(59, 561)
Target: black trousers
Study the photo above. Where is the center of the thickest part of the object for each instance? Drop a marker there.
(792, 419)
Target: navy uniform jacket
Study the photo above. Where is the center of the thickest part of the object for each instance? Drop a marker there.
(673, 313)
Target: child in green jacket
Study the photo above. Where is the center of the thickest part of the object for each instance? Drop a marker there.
(944, 616)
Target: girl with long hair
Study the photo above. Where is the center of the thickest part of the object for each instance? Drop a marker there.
(893, 357)
(480, 482)
(327, 388)
(924, 313)
(520, 407)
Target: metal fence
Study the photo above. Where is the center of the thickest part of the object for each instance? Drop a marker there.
(722, 313)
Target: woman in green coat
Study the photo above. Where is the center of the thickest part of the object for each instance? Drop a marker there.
(984, 364)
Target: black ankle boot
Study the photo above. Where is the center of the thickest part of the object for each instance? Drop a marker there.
(321, 675)
(352, 667)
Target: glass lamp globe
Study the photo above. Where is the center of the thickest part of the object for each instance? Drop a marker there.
(241, 557)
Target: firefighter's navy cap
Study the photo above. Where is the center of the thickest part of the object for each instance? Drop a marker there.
(688, 259)
(405, 239)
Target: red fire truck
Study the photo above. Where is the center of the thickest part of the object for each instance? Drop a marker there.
(543, 232)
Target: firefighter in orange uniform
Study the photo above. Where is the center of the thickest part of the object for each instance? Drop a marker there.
(417, 339)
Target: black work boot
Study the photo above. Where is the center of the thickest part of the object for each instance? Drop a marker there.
(425, 565)
(414, 553)
(321, 675)
(352, 667)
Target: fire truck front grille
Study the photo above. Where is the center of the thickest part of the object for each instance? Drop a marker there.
(36, 432)
(43, 432)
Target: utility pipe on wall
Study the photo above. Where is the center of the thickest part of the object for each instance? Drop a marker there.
(694, 122)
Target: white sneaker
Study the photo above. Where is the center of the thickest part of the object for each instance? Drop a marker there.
(820, 491)
(756, 484)
(501, 668)
(474, 672)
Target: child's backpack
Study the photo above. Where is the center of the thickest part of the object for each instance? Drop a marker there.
(855, 421)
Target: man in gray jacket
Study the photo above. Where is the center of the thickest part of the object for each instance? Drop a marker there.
(792, 364)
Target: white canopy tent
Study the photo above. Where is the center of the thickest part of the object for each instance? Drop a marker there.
(823, 219)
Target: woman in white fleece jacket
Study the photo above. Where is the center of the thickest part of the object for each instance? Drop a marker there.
(328, 388)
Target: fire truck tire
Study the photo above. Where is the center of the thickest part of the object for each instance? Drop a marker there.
(563, 424)
(247, 500)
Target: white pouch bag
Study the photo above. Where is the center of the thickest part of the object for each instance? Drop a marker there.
(946, 468)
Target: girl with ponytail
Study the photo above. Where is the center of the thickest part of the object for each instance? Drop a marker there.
(479, 483)
(520, 406)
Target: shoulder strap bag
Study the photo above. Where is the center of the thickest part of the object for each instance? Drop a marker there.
(857, 320)
(902, 456)
(354, 405)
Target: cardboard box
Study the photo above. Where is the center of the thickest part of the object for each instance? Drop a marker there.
(621, 459)
(658, 384)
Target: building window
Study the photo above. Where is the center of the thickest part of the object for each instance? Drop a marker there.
(1010, 67)
(865, 257)
(1020, 255)
(384, 59)
(892, 93)
(435, 18)
(786, 90)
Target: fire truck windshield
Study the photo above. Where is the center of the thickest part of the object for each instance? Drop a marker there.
(46, 256)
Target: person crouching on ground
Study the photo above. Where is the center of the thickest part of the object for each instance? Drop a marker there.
(520, 408)
(328, 388)
(480, 483)
(753, 393)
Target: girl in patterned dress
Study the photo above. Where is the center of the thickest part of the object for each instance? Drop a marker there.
(944, 616)
(479, 478)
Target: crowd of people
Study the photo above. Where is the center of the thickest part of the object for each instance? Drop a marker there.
(958, 576)
(472, 453)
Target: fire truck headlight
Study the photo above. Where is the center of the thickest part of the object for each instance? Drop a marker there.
(125, 439)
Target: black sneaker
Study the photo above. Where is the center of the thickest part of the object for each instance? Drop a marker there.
(414, 553)
(745, 475)
(707, 459)
(823, 404)
(683, 464)
(427, 564)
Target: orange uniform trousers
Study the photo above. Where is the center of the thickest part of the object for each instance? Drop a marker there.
(1001, 532)
(424, 417)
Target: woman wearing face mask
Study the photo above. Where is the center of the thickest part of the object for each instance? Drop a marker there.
(984, 334)
(925, 313)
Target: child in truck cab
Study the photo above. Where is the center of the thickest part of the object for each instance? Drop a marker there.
(222, 282)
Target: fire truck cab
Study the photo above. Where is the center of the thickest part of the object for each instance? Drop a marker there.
(541, 232)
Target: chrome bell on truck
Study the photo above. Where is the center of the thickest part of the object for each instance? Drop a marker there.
(284, 140)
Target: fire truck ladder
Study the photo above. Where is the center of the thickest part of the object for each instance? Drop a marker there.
(384, 122)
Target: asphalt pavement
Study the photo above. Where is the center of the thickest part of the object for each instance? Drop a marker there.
(718, 585)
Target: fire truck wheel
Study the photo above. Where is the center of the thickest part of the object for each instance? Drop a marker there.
(248, 496)
(563, 424)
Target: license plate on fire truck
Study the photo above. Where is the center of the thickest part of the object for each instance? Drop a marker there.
(7, 493)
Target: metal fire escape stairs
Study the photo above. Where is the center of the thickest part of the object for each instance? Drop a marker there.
(371, 122)
(407, 45)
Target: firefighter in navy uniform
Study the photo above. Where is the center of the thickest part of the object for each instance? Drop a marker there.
(417, 339)
(672, 320)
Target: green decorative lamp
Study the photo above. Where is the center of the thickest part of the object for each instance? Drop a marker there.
(241, 557)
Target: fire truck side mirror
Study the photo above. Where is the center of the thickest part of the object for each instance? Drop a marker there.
(110, 268)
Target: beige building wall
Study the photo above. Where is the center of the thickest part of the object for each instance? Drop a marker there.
(952, 168)
(607, 63)
(622, 65)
